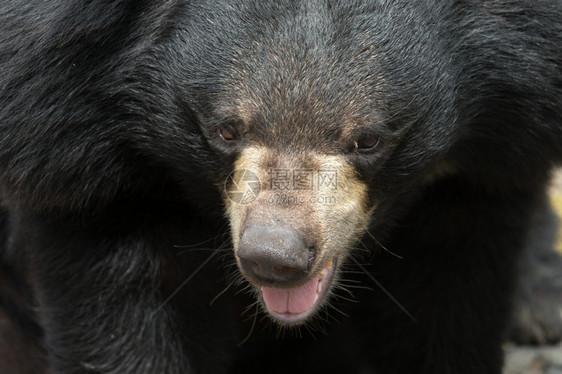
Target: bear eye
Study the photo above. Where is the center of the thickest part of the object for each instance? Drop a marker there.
(227, 133)
(367, 144)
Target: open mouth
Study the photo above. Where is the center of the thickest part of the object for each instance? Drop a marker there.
(294, 305)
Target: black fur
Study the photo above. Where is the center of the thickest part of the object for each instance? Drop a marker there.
(111, 174)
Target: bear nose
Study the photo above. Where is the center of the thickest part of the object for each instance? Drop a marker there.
(274, 255)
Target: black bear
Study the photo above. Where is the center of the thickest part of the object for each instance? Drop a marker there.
(372, 170)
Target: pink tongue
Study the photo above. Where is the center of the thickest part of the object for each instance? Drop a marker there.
(291, 300)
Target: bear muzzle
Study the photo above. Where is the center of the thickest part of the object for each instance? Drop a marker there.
(278, 262)
(274, 256)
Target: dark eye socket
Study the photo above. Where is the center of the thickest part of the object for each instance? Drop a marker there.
(366, 144)
(228, 133)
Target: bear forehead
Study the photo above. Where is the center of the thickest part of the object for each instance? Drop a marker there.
(282, 88)
(301, 67)
(312, 73)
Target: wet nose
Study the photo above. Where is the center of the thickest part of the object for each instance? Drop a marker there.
(274, 255)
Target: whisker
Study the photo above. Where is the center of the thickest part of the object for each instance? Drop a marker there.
(351, 282)
(220, 294)
(339, 311)
(178, 289)
(251, 328)
(312, 328)
(191, 250)
(355, 287)
(246, 288)
(343, 288)
(249, 307)
(352, 272)
(383, 247)
(196, 244)
(326, 318)
(364, 248)
(348, 299)
(388, 294)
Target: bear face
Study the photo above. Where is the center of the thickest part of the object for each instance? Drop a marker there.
(295, 101)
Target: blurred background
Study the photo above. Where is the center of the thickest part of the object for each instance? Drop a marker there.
(556, 193)
(540, 359)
